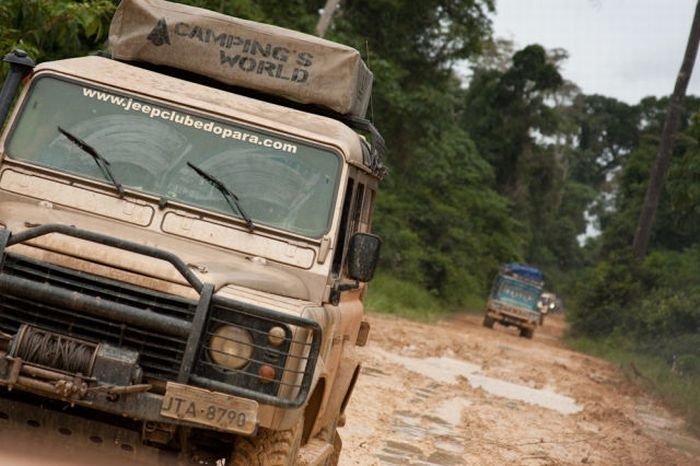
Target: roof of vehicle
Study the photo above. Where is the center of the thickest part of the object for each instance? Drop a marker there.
(179, 92)
(528, 273)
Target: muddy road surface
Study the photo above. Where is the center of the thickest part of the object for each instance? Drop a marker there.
(456, 393)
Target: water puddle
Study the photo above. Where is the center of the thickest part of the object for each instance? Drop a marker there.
(448, 371)
(451, 410)
(540, 397)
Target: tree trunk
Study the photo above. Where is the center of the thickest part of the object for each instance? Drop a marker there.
(663, 156)
(326, 17)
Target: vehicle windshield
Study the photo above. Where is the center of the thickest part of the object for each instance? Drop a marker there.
(516, 293)
(279, 181)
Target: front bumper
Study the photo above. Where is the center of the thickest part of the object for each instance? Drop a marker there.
(80, 313)
(69, 439)
(516, 319)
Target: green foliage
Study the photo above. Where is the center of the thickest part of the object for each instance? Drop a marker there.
(502, 109)
(445, 228)
(391, 295)
(423, 38)
(648, 315)
(49, 30)
(524, 123)
(677, 223)
(531, 75)
(603, 296)
(667, 313)
(294, 14)
(652, 309)
(671, 305)
(608, 132)
(655, 301)
(440, 204)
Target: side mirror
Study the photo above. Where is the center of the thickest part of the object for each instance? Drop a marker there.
(363, 256)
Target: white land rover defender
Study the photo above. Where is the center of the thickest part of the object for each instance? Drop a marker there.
(183, 261)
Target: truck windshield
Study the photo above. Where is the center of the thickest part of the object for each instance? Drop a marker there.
(516, 293)
(280, 181)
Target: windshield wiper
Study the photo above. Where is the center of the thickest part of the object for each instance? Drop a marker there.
(101, 162)
(231, 199)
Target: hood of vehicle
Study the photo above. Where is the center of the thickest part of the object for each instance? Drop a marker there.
(209, 264)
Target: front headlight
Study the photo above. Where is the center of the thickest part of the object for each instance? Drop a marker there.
(231, 347)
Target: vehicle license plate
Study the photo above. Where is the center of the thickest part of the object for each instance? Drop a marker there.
(224, 412)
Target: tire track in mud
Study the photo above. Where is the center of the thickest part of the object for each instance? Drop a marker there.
(455, 393)
(426, 433)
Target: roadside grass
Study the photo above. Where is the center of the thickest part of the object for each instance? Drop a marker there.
(390, 295)
(680, 392)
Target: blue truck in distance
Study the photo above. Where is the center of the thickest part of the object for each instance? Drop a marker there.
(513, 299)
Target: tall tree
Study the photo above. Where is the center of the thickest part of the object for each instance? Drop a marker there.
(663, 158)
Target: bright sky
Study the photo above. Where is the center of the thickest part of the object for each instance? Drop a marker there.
(627, 49)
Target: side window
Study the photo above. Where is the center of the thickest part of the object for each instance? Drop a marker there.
(367, 210)
(339, 245)
(351, 221)
(359, 196)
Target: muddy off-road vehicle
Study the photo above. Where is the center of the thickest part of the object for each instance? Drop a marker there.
(185, 239)
(513, 300)
(547, 304)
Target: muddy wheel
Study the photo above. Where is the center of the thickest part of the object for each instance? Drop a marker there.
(488, 322)
(268, 448)
(527, 332)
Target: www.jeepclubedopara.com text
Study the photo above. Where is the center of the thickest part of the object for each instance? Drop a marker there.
(156, 112)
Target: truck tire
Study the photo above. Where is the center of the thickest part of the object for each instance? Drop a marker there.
(268, 447)
(527, 332)
(488, 322)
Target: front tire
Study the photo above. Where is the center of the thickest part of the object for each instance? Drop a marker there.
(488, 322)
(268, 447)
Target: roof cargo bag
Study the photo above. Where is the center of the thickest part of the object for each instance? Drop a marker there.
(269, 59)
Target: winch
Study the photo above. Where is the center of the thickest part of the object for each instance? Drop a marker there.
(69, 367)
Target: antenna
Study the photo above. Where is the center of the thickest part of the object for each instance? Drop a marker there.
(369, 65)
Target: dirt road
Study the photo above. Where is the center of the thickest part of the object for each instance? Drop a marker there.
(457, 393)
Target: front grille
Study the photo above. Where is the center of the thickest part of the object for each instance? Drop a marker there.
(161, 354)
